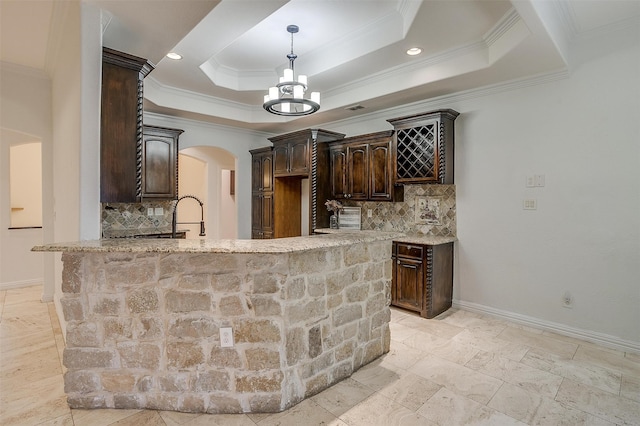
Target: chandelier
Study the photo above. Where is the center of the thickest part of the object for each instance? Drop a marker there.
(287, 97)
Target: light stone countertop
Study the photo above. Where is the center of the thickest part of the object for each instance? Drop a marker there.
(279, 245)
(401, 238)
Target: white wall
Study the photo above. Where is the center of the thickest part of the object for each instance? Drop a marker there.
(237, 142)
(582, 132)
(25, 116)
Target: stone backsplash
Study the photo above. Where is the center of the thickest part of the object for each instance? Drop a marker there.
(128, 219)
(426, 209)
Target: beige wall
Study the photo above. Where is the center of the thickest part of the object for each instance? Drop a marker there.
(25, 180)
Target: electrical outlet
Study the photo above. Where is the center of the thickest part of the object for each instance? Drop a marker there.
(226, 337)
(567, 300)
(150, 211)
(159, 211)
(369, 213)
(530, 204)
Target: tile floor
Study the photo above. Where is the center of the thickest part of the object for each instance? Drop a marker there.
(461, 369)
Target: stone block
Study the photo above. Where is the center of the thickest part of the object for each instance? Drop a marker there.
(224, 358)
(257, 330)
(262, 359)
(184, 355)
(364, 330)
(192, 263)
(86, 401)
(83, 334)
(129, 401)
(183, 301)
(107, 305)
(231, 306)
(265, 306)
(374, 271)
(136, 272)
(192, 403)
(267, 283)
(376, 303)
(72, 272)
(295, 345)
(263, 382)
(316, 285)
(295, 288)
(139, 355)
(337, 281)
(309, 312)
(149, 328)
(372, 351)
(195, 282)
(117, 382)
(226, 283)
(117, 329)
(193, 327)
(266, 403)
(341, 371)
(162, 401)
(381, 318)
(313, 261)
(316, 385)
(82, 358)
(118, 257)
(315, 341)
(81, 381)
(334, 301)
(357, 293)
(263, 262)
(142, 300)
(346, 314)
(223, 404)
(174, 382)
(211, 381)
(345, 351)
(356, 253)
(72, 309)
(145, 384)
(321, 363)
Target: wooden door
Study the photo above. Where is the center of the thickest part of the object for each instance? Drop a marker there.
(280, 160)
(299, 157)
(357, 172)
(266, 173)
(338, 158)
(380, 171)
(409, 284)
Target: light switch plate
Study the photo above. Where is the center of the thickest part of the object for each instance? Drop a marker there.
(530, 181)
(150, 211)
(159, 211)
(538, 180)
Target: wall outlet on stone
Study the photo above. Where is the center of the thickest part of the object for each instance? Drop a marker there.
(226, 337)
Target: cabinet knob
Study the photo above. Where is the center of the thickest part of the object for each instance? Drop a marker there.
(398, 262)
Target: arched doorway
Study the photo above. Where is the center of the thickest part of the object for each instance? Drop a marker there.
(206, 172)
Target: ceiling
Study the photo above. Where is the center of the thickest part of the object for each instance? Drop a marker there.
(353, 51)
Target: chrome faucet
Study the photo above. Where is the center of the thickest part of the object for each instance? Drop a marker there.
(175, 216)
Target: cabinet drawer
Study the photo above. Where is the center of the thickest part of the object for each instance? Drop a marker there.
(409, 250)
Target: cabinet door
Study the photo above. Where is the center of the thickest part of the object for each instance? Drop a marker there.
(281, 160)
(408, 284)
(357, 172)
(267, 173)
(299, 157)
(159, 165)
(267, 213)
(338, 157)
(380, 186)
(256, 173)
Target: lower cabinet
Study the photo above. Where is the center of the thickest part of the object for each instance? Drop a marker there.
(422, 277)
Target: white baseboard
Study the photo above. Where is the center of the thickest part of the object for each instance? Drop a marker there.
(19, 284)
(590, 336)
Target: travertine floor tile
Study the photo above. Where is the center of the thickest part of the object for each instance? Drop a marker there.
(461, 380)
(599, 403)
(378, 410)
(607, 358)
(100, 417)
(174, 418)
(402, 356)
(448, 408)
(473, 322)
(307, 412)
(485, 342)
(343, 396)
(630, 387)
(534, 340)
(436, 327)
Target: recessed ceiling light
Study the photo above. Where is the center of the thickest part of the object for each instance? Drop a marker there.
(414, 51)
(175, 56)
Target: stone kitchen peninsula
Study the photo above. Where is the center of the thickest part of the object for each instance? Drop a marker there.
(143, 319)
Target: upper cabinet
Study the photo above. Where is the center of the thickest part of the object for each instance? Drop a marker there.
(160, 162)
(291, 158)
(121, 126)
(424, 146)
(361, 168)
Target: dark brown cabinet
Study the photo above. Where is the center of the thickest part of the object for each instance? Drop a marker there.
(422, 277)
(262, 193)
(160, 162)
(291, 158)
(361, 168)
(424, 147)
(121, 126)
